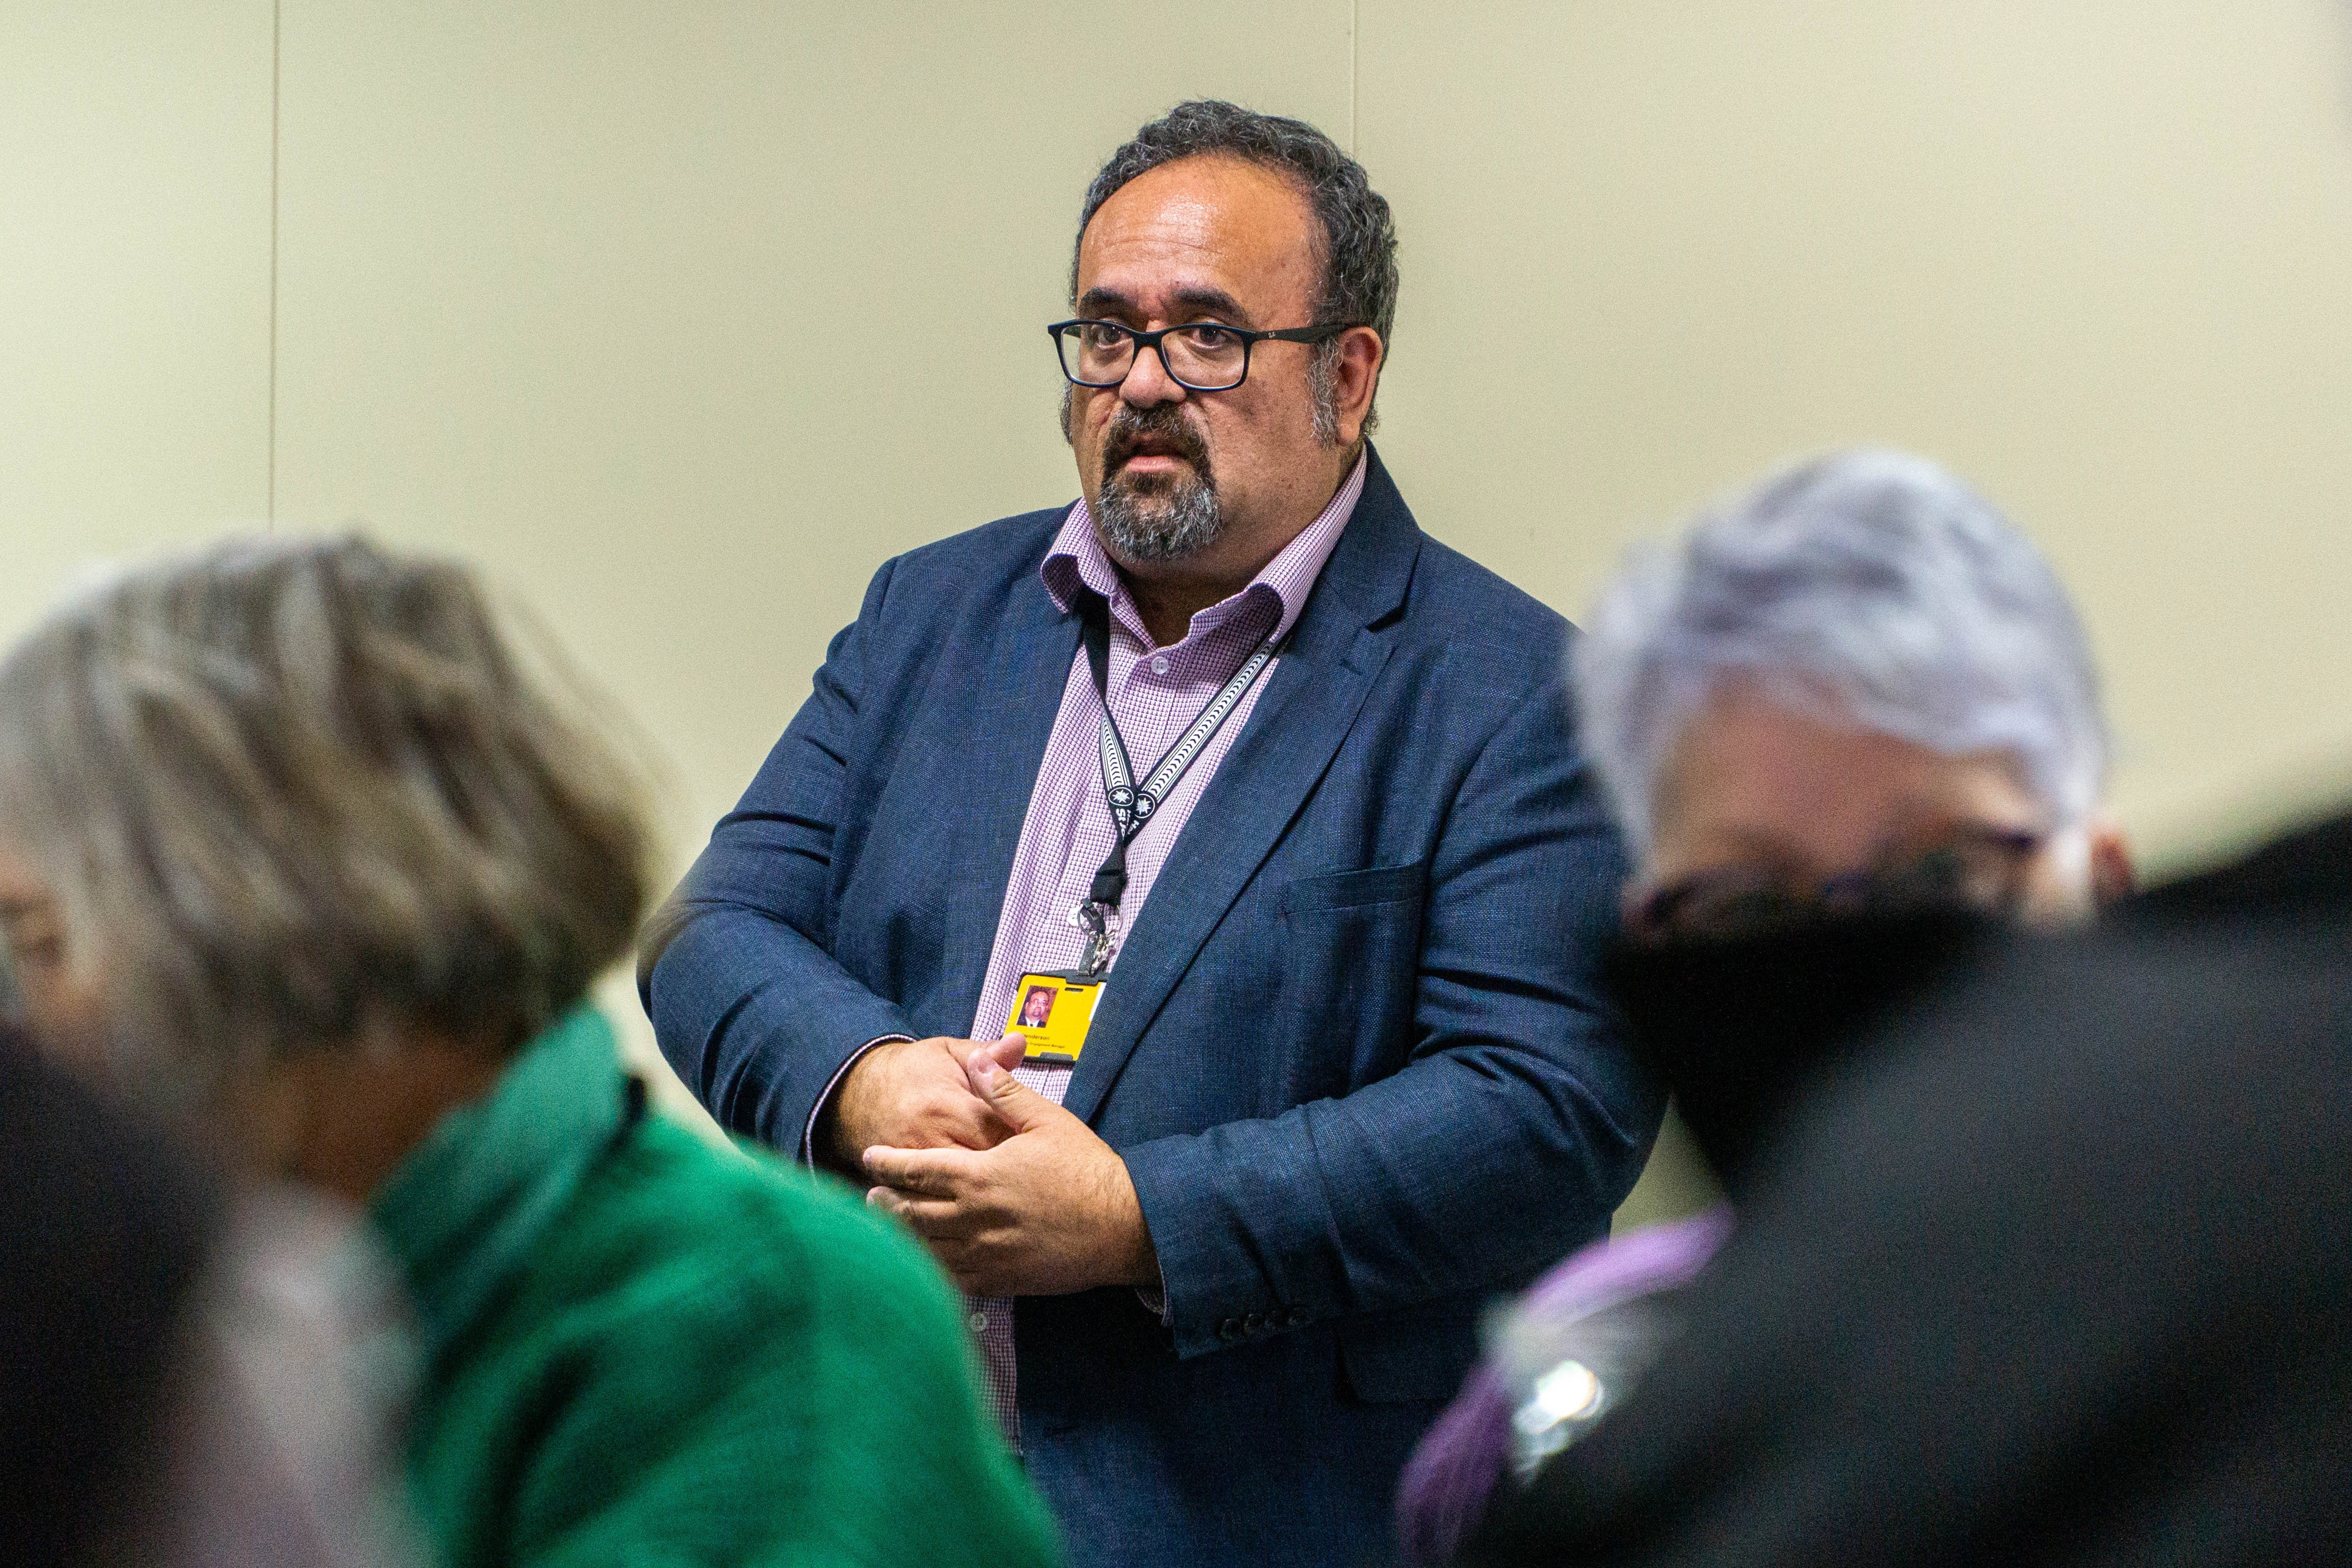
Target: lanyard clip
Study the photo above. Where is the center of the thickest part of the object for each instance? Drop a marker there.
(1100, 921)
(1110, 881)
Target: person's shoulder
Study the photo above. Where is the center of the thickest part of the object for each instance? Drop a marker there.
(1482, 620)
(1007, 546)
(680, 1249)
(1469, 633)
(675, 1199)
(2300, 874)
(2095, 1062)
(965, 581)
(1454, 580)
(2265, 934)
(741, 1352)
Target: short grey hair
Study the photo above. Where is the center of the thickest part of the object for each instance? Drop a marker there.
(1867, 587)
(1358, 233)
(290, 793)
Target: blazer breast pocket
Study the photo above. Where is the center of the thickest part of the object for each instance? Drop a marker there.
(1351, 971)
(1355, 889)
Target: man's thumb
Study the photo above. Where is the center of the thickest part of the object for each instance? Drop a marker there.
(1015, 1101)
(1005, 1053)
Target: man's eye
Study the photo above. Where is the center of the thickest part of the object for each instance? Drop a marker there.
(1211, 339)
(1099, 335)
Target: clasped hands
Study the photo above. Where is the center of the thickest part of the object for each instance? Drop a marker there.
(1013, 1195)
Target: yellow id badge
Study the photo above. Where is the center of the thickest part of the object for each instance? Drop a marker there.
(1053, 1013)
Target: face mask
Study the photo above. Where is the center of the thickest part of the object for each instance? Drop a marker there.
(1738, 1027)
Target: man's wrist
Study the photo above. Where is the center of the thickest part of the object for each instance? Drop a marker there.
(820, 1138)
(1138, 1260)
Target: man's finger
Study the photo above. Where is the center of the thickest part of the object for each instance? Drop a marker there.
(933, 1173)
(973, 1125)
(933, 1219)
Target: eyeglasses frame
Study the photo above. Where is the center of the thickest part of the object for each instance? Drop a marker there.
(1652, 918)
(1155, 342)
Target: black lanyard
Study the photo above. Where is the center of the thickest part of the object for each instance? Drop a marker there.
(1132, 804)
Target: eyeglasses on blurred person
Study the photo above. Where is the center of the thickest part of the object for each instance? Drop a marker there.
(296, 843)
(1851, 726)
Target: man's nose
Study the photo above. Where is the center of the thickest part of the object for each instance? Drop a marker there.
(1147, 382)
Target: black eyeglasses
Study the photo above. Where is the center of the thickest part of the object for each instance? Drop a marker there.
(1202, 356)
(1981, 869)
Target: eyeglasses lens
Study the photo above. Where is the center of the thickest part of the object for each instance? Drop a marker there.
(1206, 359)
(1097, 355)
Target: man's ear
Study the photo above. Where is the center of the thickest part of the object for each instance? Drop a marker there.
(2113, 875)
(1355, 378)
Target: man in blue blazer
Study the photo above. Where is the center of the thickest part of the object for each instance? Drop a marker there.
(1286, 793)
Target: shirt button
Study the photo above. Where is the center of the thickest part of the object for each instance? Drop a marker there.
(979, 1322)
(1160, 664)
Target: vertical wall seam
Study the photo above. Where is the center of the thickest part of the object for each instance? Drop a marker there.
(1355, 16)
(276, 9)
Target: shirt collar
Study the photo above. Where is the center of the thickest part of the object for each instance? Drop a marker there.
(1077, 561)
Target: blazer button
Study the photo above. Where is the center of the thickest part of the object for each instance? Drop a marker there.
(1298, 1318)
(1231, 1329)
(1253, 1323)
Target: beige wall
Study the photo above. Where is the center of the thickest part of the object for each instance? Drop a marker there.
(593, 293)
(134, 284)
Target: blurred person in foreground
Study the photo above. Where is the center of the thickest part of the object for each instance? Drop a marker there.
(1851, 726)
(2060, 1273)
(104, 1232)
(298, 815)
(2056, 1269)
(182, 1386)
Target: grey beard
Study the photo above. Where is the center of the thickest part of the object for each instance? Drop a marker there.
(1185, 521)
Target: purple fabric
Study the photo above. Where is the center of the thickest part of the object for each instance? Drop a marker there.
(1446, 1482)
(1155, 693)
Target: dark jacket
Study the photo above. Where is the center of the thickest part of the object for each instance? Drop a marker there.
(2062, 1274)
(1354, 1032)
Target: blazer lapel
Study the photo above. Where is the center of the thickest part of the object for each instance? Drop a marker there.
(1310, 704)
(1013, 708)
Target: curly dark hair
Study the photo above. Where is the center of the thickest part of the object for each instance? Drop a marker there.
(1359, 268)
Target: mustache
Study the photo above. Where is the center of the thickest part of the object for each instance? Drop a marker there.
(1162, 424)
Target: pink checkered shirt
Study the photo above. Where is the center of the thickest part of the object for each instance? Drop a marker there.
(1155, 694)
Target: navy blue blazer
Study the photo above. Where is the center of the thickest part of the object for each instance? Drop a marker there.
(1354, 1051)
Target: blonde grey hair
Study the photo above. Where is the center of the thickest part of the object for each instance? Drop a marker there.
(1867, 587)
(290, 792)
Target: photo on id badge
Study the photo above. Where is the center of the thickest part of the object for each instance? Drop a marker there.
(1052, 1013)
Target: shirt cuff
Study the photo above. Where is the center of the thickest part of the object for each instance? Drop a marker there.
(808, 1134)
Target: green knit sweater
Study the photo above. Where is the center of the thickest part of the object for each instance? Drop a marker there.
(643, 1349)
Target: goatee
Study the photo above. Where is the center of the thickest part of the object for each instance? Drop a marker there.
(1173, 520)
(1158, 516)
